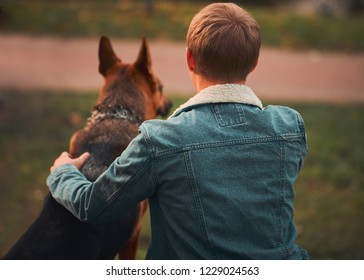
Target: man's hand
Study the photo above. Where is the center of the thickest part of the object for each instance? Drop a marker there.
(64, 158)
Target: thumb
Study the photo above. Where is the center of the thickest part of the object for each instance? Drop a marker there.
(78, 162)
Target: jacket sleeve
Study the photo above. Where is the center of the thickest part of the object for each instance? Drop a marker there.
(127, 181)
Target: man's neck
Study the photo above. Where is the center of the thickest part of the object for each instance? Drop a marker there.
(201, 82)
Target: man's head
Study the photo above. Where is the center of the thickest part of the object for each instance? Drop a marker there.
(224, 40)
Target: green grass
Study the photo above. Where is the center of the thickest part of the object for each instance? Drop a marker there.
(330, 188)
(35, 127)
(128, 19)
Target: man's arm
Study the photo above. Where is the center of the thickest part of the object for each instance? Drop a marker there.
(128, 180)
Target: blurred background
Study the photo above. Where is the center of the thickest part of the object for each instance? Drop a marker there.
(311, 59)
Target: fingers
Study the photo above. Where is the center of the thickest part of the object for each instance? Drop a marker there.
(78, 162)
(65, 158)
(62, 159)
(64, 154)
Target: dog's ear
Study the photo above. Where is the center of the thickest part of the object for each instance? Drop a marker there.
(107, 56)
(144, 61)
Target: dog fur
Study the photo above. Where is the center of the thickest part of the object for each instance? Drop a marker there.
(131, 94)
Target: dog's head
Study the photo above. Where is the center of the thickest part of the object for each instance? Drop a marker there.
(134, 84)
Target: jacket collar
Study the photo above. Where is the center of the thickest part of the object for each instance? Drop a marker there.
(222, 93)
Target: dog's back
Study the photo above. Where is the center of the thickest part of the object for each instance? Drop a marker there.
(130, 95)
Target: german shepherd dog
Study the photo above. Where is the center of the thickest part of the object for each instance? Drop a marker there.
(130, 95)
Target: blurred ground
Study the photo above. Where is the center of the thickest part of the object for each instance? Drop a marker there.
(38, 63)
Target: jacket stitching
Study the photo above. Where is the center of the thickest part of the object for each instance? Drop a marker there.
(196, 197)
(207, 145)
(282, 197)
(220, 120)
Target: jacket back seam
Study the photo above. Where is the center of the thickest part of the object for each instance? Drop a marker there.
(225, 143)
(197, 201)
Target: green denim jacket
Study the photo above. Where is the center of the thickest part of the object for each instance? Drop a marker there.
(219, 175)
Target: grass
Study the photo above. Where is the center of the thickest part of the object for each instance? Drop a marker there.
(330, 188)
(35, 127)
(170, 20)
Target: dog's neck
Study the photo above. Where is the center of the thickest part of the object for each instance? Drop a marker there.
(119, 112)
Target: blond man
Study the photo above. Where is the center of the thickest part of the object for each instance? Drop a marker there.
(219, 173)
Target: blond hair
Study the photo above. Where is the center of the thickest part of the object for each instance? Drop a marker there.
(225, 41)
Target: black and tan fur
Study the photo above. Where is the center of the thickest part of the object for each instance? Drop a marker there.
(131, 94)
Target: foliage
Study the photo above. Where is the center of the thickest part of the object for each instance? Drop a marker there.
(170, 20)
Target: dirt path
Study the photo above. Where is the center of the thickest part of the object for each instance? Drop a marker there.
(31, 63)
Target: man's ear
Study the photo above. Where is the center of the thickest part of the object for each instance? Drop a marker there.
(190, 59)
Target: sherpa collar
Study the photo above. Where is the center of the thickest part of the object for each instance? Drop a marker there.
(222, 93)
